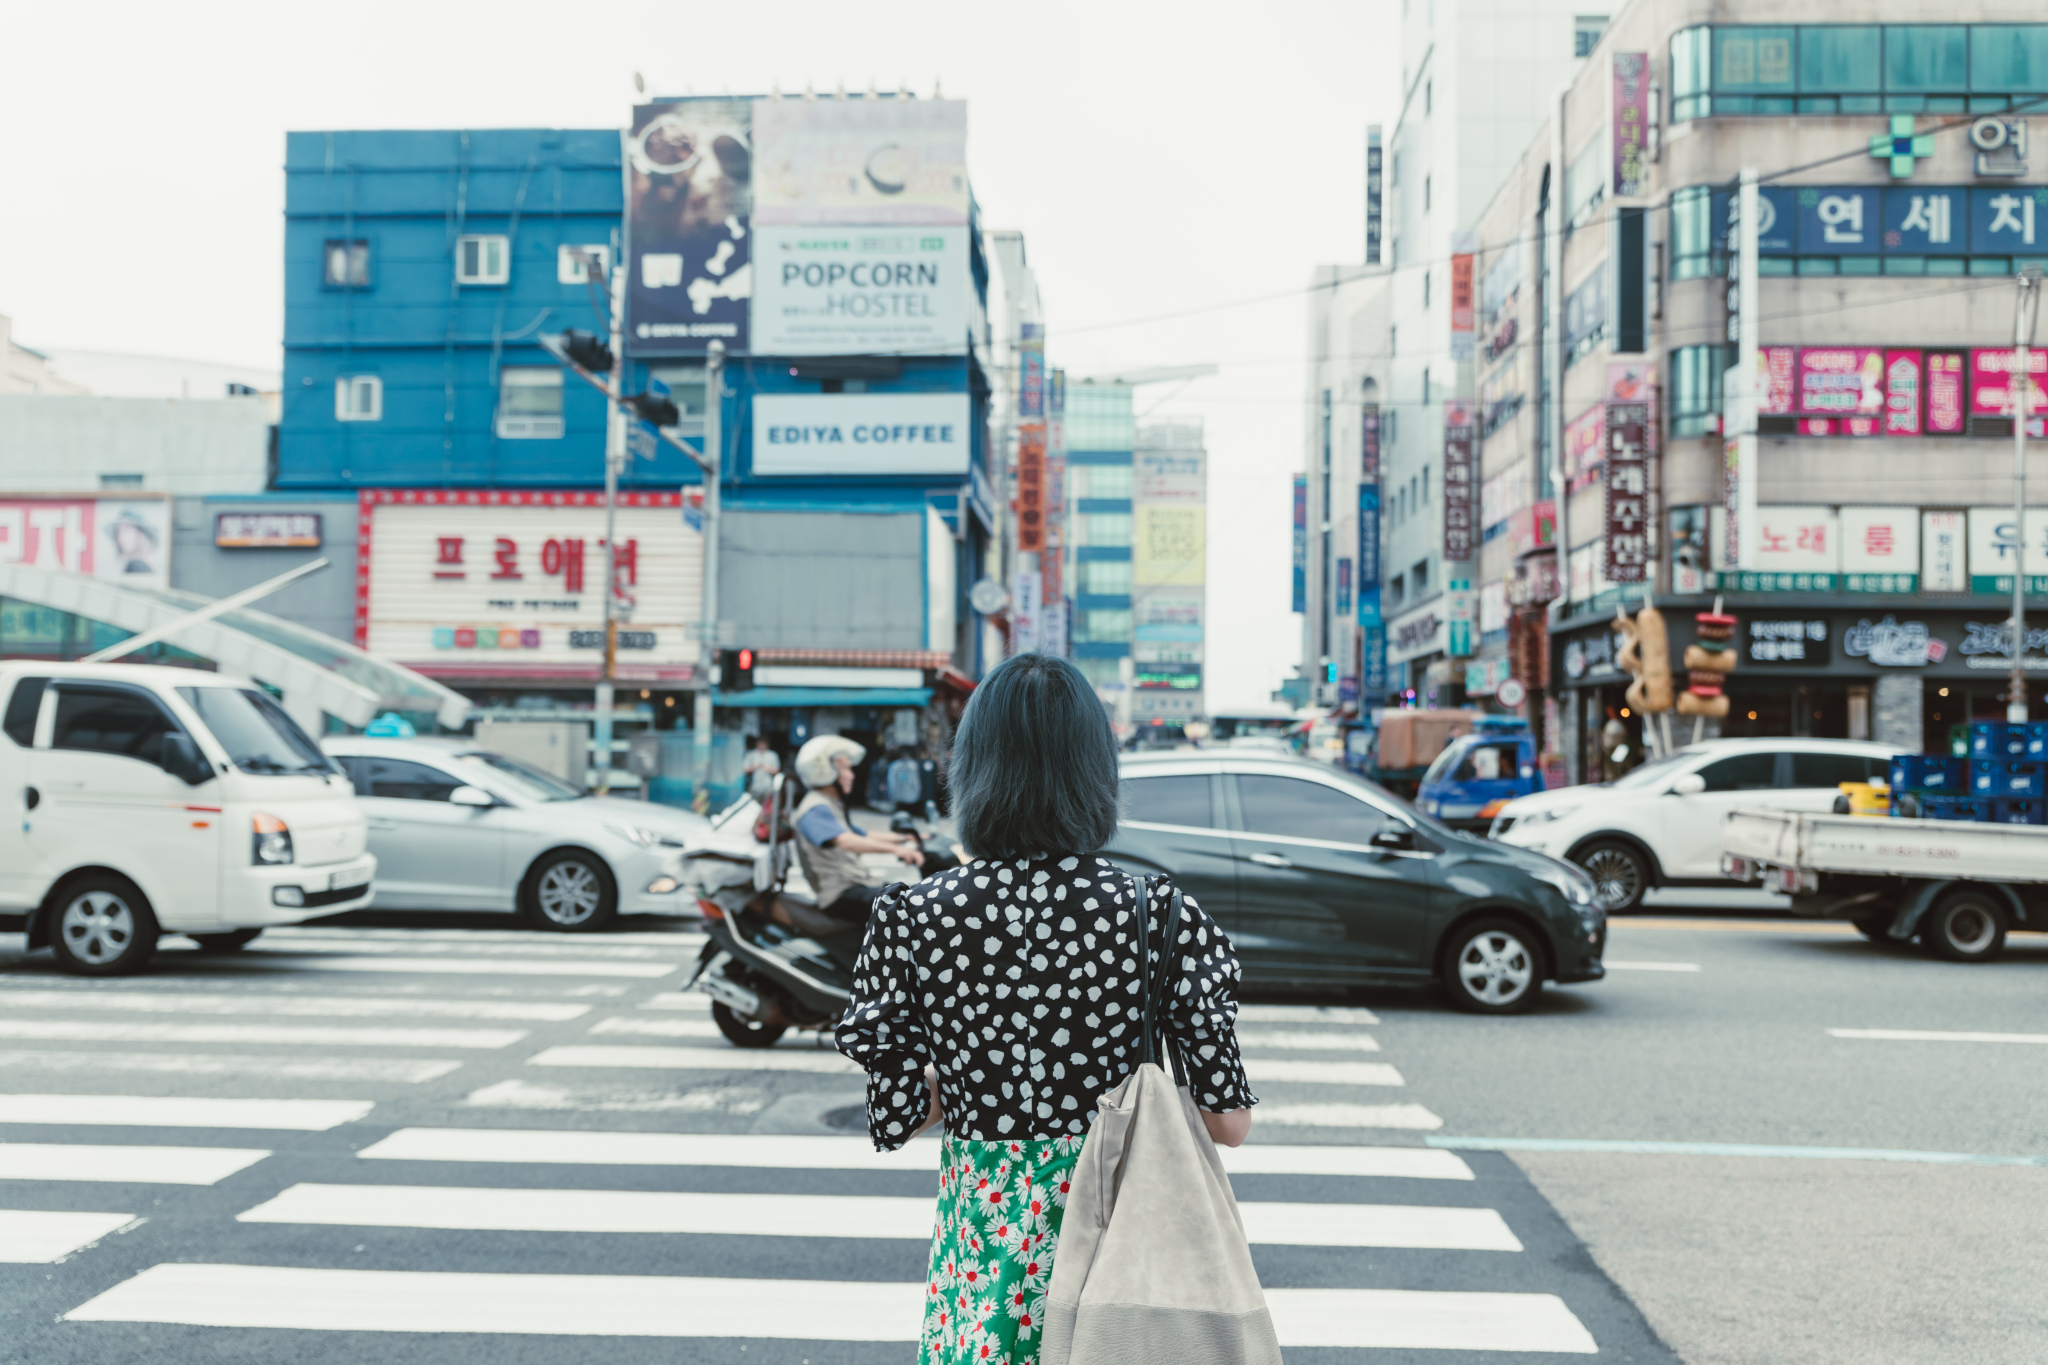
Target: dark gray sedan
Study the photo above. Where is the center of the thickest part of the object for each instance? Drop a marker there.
(1323, 879)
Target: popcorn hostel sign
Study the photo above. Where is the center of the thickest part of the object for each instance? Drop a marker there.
(507, 583)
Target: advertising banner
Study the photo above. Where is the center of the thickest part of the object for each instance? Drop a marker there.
(1798, 540)
(1168, 618)
(1368, 542)
(1904, 390)
(1374, 208)
(477, 583)
(1626, 494)
(1944, 552)
(860, 291)
(266, 530)
(861, 433)
(1994, 549)
(1174, 476)
(1300, 597)
(1460, 537)
(1493, 607)
(1027, 605)
(1156, 677)
(1463, 313)
(1343, 604)
(1168, 545)
(1031, 487)
(1631, 122)
(1991, 384)
(120, 540)
(1776, 385)
(1840, 381)
(1880, 549)
(1460, 609)
(1031, 370)
(1369, 443)
(1583, 437)
(1499, 296)
(1372, 654)
(1947, 412)
(879, 162)
(689, 201)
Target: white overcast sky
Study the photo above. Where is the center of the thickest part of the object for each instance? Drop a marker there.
(1159, 157)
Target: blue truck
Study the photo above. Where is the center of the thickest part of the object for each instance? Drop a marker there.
(1480, 772)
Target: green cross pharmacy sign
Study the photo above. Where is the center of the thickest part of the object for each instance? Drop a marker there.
(1901, 147)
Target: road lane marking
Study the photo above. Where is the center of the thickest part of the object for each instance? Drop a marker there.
(1742, 1149)
(698, 1099)
(658, 1026)
(543, 937)
(124, 1165)
(1421, 1319)
(1304, 1014)
(1264, 1069)
(343, 1006)
(1614, 966)
(842, 1217)
(677, 1000)
(508, 951)
(405, 1070)
(764, 1151)
(181, 1111)
(1907, 1035)
(307, 1299)
(1306, 1041)
(317, 1035)
(1349, 1116)
(1721, 926)
(39, 1236)
(451, 966)
(698, 1059)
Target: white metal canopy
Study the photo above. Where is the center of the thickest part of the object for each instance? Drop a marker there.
(315, 673)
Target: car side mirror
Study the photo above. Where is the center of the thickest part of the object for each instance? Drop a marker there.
(1394, 838)
(471, 796)
(181, 759)
(1692, 784)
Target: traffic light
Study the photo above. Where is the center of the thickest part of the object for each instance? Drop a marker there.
(654, 408)
(588, 351)
(736, 670)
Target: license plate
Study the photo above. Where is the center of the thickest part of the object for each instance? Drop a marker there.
(350, 877)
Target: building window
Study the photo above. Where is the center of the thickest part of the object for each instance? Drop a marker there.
(1692, 233)
(1103, 625)
(1419, 576)
(1833, 69)
(1106, 528)
(345, 263)
(529, 403)
(1695, 389)
(1099, 480)
(1691, 72)
(483, 260)
(1585, 182)
(1586, 31)
(1926, 57)
(1425, 194)
(572, 263)
(1105, 577)
(1396, 590)
(359, 398)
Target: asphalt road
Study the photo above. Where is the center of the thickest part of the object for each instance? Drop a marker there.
(391, 1191)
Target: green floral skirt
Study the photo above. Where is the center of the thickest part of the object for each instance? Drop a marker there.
(1000, 1205)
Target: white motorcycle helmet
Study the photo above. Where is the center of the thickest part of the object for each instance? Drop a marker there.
(814, 761)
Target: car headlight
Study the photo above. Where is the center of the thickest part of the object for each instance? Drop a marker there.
(633, 834)
(270, 842)
(1574, 885)
(1546, 815)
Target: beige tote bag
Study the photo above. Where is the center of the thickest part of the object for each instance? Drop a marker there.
(1152, 1266)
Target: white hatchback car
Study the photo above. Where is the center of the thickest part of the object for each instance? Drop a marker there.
(1660, 825)
(459, 827)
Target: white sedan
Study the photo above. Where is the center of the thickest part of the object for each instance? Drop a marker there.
(458, 827)
(1660, 825)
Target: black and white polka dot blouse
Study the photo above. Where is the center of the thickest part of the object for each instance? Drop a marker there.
(1018, 979)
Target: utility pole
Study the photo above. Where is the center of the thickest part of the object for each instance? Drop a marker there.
(713, 462)
(614, 457)
(2025, 309)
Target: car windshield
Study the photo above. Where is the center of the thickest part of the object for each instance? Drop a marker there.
(514, 778)
(256, 732)
(1656, 770)
(1386, 800)
(1442, 767)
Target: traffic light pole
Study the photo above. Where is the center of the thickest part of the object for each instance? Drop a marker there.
(614, 456)
(713, 461)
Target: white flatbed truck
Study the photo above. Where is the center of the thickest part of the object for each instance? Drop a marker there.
(1956, 886)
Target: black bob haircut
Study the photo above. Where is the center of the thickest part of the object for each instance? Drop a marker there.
(1034, 765)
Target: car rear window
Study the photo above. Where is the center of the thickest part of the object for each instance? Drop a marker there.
(1182, 799)
(22, 705)
(1306, 810)
(1742, 773)
(1831, 770)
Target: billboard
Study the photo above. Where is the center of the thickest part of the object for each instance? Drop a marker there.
(1169, 544)
(1625, 519)
(119, 540)
(860, 291)
(1031, 487)
(689, 201)
(1463, 313)
(1460, 538)
(1631, 123)
(875, 162)
(861, 433)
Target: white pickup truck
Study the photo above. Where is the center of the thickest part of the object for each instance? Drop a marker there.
(1954, 885)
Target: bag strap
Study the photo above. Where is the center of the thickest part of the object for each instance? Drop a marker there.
(1152, 1023)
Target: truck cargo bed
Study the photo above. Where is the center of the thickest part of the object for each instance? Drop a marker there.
(1889, 847)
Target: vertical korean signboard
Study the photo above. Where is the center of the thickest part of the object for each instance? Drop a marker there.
(1631, 122)
(1031, 438)
(1626, 556)
(1458, 492)
(1374, 210)
(689, 244)
(1464, 313)
(1301, 543)
(1372, 628)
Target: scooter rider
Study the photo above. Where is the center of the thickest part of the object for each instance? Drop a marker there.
(828, 843)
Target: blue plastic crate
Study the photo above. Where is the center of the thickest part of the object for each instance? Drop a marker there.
(1997, 739)
(2037, 741)
(2026, 812)
(1955, 808)
(2005, 778)
(1929, 773)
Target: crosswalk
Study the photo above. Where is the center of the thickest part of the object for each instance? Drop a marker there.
(550, 1139)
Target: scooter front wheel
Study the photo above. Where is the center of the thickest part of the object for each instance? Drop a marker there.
(745, 1031)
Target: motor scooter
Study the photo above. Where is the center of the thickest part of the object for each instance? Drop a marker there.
(773, 960)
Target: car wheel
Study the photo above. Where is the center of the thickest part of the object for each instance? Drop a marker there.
(222, 943)
(1620, 873)
(745, 1031)
(1968, 926)
(1493, 967)
(104, 927)
(571, 892)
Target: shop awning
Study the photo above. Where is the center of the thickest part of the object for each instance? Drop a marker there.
(826, 696)
(314, 672)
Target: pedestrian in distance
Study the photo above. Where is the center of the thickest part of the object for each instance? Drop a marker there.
(1001, 1000)
(760, 766)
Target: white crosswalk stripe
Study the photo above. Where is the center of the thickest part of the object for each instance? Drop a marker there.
(592, 1038)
